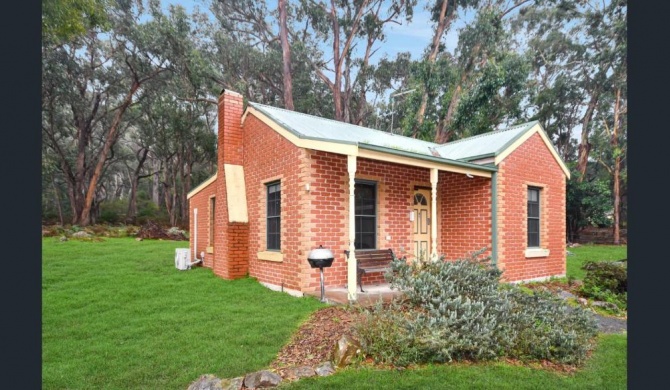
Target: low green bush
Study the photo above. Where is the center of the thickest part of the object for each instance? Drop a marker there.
(459, 310)
(606, 281)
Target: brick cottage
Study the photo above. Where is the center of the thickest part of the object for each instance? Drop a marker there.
(288, 182)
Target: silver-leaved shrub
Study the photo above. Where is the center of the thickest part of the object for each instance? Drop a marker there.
(459, 310)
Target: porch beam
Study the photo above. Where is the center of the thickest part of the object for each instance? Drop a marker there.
(433, 213)
(351, 265)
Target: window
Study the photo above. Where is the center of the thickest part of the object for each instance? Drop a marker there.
(274, 216)
(212, 215)
(365, 194)
(533, 217)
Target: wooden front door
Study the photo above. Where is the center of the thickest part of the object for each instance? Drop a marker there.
(421, 231)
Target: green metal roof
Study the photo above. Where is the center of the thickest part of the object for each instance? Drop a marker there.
(458, 152)
(484, 145)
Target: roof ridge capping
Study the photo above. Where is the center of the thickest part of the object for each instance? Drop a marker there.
(255, 104)
(526, 125)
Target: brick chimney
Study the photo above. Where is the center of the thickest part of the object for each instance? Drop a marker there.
(231, 241)
(231, 148)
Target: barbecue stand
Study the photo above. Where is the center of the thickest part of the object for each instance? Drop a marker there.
(320, 258)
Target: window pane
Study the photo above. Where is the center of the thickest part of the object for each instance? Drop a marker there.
(368, 225)
(273, 212)
(533, 195)
(367, 241)
(533, 239)
(533, 210)
(366, 212)
(533, 225)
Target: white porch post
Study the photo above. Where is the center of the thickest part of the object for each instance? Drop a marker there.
(433, 214)
(351, 266)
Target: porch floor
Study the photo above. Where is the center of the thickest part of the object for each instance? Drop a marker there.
(373, 293)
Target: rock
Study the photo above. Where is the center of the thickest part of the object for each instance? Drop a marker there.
(325, 369)
(583, 301)
(63, 238)
(139, 239)
(605, 305)
(345, 350)
(81, 234)
(299, 372)
(261, 379)
(566, 295)
(569, 253)
(206, 382)
(232, 384)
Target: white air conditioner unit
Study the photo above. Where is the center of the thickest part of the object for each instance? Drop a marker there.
(182, 258)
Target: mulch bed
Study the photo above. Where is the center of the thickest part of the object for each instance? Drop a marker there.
(314, 341)
(555, 286)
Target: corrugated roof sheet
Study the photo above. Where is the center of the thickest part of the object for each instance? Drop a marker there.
(313, 127)
(309, 126)
(483, 144)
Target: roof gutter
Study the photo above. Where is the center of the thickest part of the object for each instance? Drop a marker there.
(424, 157)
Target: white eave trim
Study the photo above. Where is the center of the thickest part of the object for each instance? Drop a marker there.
(537, 128)
(201, 186)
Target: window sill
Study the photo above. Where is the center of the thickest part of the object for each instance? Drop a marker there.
(209, 249)
(271, 256)
(537, 252)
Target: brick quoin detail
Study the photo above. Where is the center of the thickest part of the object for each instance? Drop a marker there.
(530, 164)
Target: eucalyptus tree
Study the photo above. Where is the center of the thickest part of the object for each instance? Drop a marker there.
(443, 13)
(65, 20)
(473, 89)
(90, 84)
(334, 30)
(574, 46)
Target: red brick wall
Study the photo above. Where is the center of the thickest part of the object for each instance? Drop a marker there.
(329, 209)
(464, 206)
(269, 157)
(530, 164)
(326, 215)
(200, 201)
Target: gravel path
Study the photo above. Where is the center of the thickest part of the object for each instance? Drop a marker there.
(610, 324)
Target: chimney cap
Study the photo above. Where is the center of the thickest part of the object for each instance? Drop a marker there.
(230, 93)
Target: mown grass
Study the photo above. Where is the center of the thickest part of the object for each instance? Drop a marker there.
(584, 253)
(118, 315)
(605, 370)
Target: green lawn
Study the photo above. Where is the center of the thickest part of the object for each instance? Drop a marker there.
(118, 315)
(605, 370)
(585, 253)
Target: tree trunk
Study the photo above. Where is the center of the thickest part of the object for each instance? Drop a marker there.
(286, 56)
(131, 214)
(155, 188)
(617, 200)
(442, 133)
(584, 145)
(109, 142)
(617, 167)
(442, 24)
(58, 206)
